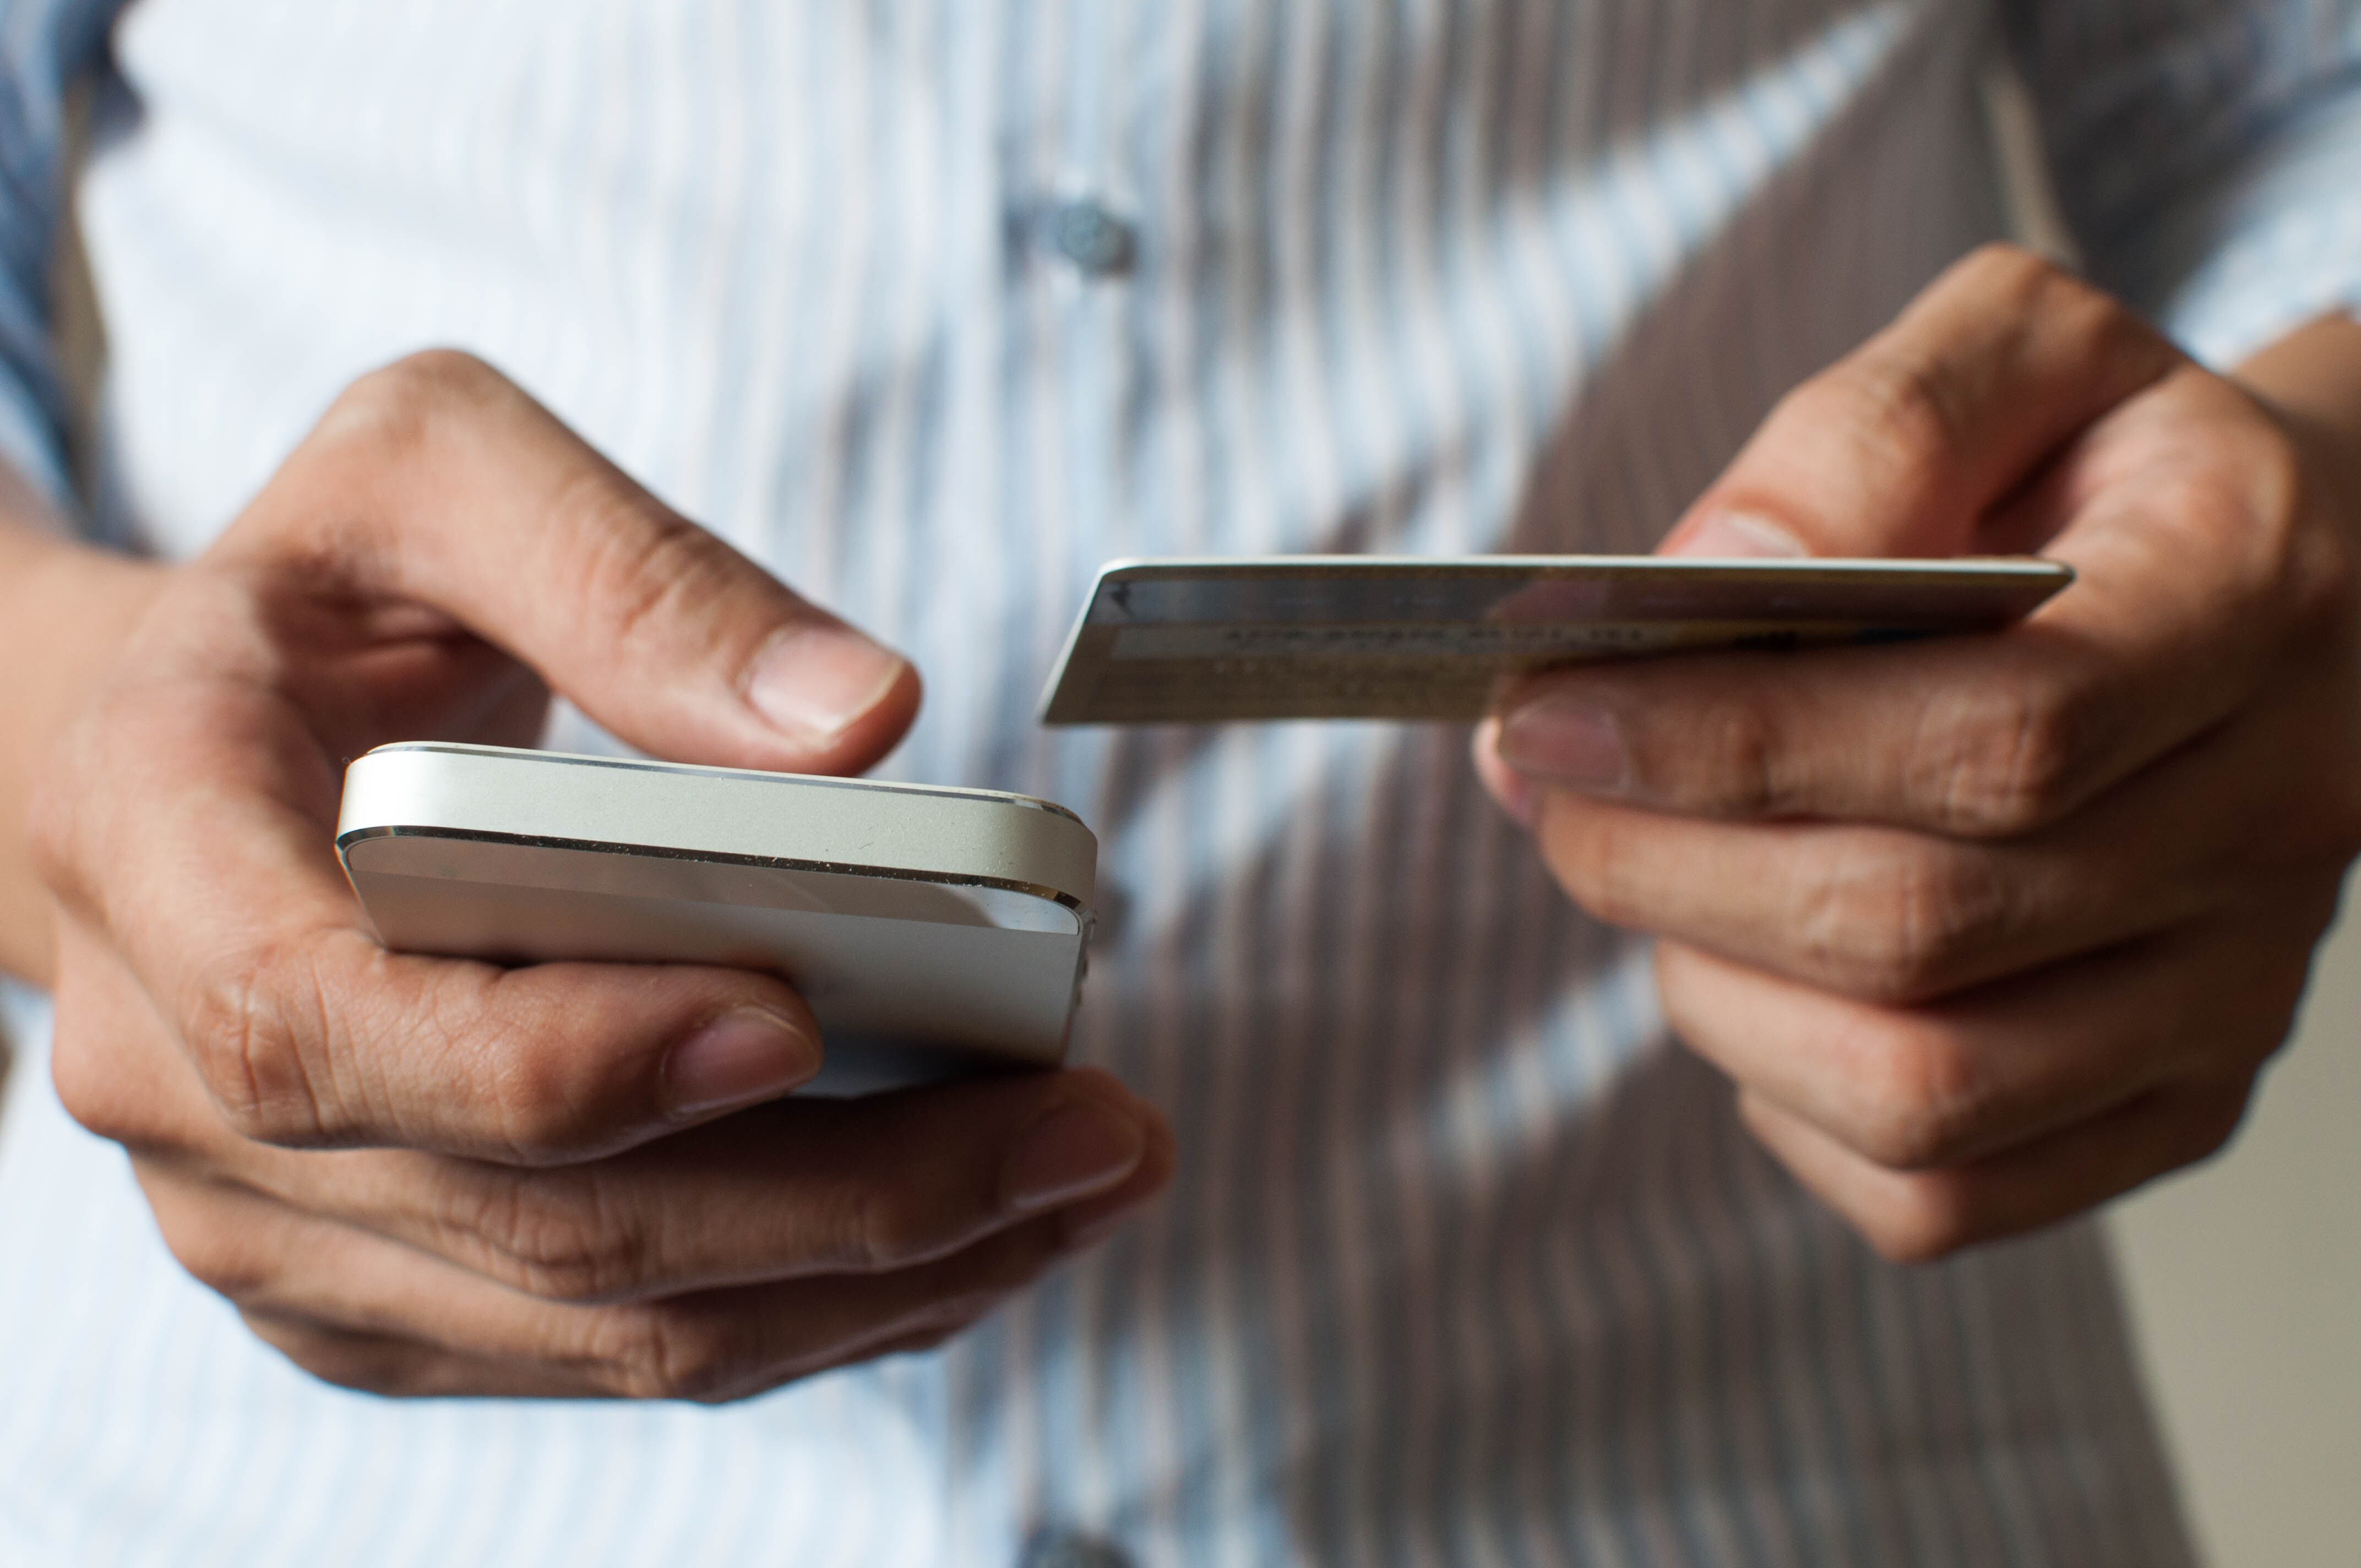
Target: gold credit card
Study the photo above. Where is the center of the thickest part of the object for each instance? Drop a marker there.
(1183, 642)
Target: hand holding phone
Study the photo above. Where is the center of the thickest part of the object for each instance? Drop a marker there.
(420, 1174)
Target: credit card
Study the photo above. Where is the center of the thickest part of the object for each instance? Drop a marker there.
(1195, 642)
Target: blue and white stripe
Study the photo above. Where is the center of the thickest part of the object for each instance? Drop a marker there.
(1467, 1262)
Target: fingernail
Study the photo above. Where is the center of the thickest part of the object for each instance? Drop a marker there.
(1078, 1148)
(1740, 534)
(740, 1058)
(1567, 741)
(817, 680)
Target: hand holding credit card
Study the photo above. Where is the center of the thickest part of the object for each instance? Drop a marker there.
(1372, 637)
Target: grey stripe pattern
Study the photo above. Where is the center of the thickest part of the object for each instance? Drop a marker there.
(1468, 1262)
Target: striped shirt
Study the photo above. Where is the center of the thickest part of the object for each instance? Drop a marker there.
(935, 306)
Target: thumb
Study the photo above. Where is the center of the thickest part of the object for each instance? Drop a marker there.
(1906, 446)
(451, 487)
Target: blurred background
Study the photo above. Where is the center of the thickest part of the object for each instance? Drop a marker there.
(2245, 1279)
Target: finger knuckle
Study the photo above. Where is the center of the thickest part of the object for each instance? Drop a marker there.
(670, 1350)
(547, 1103)
(1922, 1099)
(1905, 402)
(1904, 921)
(2008, 266)
(1925, 1219)
(646, 570)
(560, 1237)
(217, 1256)
(2021, 758)
(2018, 285)
(85, 1067)
(397, 409)
(1745, 770)
(363, 1363)
(1902, 415)
(248, 1028)
(543, 1111)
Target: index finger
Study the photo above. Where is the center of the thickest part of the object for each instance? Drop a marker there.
(435, 481)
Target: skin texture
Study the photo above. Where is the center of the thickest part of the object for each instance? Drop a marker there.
(65, 612)
(1985, 930)
(1988, 930)
(427, 1175)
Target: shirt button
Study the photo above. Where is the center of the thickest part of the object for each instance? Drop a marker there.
(1062, 1548)
(1093, 239)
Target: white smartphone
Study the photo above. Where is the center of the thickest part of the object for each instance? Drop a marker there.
(930, 929)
